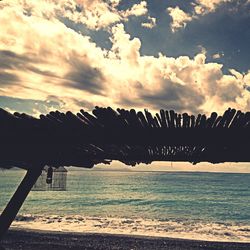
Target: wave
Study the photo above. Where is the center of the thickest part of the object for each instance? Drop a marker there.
(198, 230)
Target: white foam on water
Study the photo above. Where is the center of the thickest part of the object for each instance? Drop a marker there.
(145, 227)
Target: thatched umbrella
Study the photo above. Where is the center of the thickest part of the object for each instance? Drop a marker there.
(84, 140)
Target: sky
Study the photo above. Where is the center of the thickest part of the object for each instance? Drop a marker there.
(229, 167)
(191, 56)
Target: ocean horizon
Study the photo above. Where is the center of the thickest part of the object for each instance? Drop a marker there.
(190, 205)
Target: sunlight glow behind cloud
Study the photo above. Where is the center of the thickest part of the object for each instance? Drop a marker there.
(41, 57)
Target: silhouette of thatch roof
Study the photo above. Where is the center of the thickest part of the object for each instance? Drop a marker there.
(85, 139)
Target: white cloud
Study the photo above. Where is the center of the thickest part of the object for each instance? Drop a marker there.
(99, 14)
(114, 2)
(95, 14)
(216, 56)
(179, 18)
(136, 10)
(200, 8)
(237, 74)
(151, 23)
(182, 83)
(41, 58)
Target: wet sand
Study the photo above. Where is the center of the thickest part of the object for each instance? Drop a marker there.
(41, 240)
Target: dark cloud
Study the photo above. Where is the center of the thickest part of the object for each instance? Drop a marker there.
(84, 77)
(25, 62)
(85, 105)
(10, 60)
(230, 92)
(55, 100)
(42, 72)
(8, 78)
(125, 101)
(173, 96)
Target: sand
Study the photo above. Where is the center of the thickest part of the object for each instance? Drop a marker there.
(38, 240)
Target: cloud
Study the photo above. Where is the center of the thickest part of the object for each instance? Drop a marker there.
(8, 78)
(95, 14)
(237, 74)
(202, 49)
(151, 23)
(31, 106)
(45, 59)
(179, 97)
(216, 56)
(42, 52)
(123, 48)
(83, 76)
(179, 18)
(183, 83)
(136, 10)
(10, 60)
(200, 8)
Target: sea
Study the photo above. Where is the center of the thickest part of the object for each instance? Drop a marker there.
(189, 205)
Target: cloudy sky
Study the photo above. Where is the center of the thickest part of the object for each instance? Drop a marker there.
(191, 56)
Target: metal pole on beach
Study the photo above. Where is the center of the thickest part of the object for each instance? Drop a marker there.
(16, 202)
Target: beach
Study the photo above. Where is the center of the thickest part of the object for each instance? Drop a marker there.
(125, 124)
(40, 240)
(190, 206)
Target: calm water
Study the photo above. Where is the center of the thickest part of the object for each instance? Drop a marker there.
(213, 206)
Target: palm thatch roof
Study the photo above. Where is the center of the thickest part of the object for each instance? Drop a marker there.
(85, 139)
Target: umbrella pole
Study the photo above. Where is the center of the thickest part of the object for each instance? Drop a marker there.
(16, 202)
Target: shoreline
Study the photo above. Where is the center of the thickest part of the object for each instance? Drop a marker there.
(18, 239)
(209, 231)
(126, 234)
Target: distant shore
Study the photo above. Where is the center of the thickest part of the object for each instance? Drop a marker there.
(40, 240)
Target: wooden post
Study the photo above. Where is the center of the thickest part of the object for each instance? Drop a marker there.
(16, 202)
